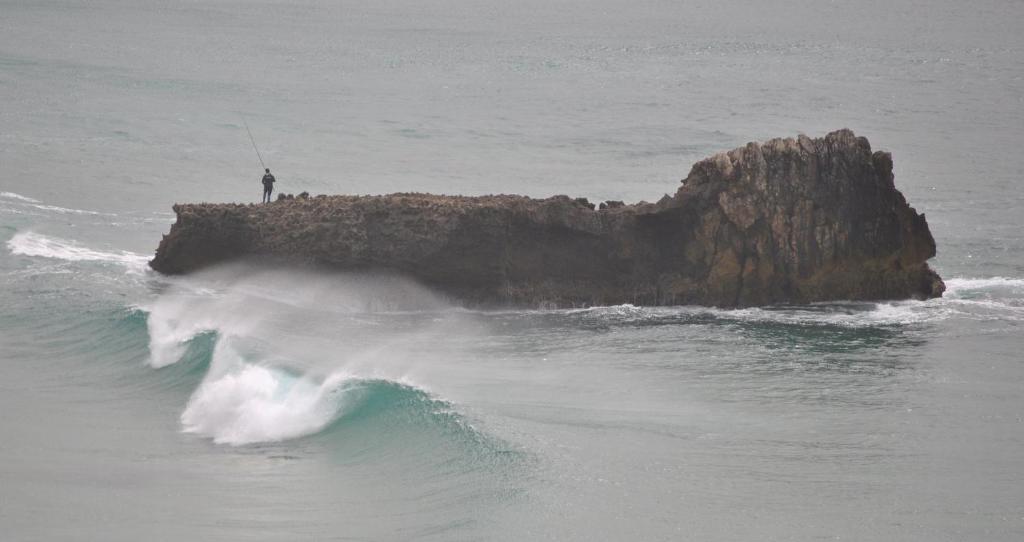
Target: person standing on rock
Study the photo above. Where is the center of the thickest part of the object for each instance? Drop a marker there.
(268, 186)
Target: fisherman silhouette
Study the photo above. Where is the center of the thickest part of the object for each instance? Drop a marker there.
(268, 186)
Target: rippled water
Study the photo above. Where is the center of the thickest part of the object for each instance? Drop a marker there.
(244, 403)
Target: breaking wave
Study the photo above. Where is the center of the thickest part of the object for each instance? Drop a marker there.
(246, 403)
(259, 386)
(240, 402)
(251, 403)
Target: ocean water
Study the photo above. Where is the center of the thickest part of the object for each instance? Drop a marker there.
(272, 404)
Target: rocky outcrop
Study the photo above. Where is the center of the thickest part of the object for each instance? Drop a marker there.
(785, 221)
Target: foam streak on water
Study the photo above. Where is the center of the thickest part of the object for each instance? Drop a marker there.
(34, 244)
(957, 286)
(18, 197)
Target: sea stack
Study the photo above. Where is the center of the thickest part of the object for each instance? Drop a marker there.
(784, 221)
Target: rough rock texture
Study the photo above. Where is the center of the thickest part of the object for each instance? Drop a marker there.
(785, 221)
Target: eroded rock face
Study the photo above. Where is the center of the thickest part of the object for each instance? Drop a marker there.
(785, 221)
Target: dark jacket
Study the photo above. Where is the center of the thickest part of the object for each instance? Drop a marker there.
(268, 181)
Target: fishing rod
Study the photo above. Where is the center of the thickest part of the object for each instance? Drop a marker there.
(253, 142)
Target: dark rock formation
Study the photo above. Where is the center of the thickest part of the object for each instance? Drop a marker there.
(786, 221)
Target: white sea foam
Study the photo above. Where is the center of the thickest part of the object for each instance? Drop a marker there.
(24, 212)
(36, 204)
(625, 310)
(959, 285)
(979, 298)
(837, 314)
(34, 244)
(866, 315)
(65, 210)
(19, 197)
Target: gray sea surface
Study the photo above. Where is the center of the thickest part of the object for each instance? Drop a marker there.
(272, 404)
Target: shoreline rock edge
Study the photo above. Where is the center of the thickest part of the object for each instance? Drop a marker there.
(793, 220)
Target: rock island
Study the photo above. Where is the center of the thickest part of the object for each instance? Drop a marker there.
(793, 220)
